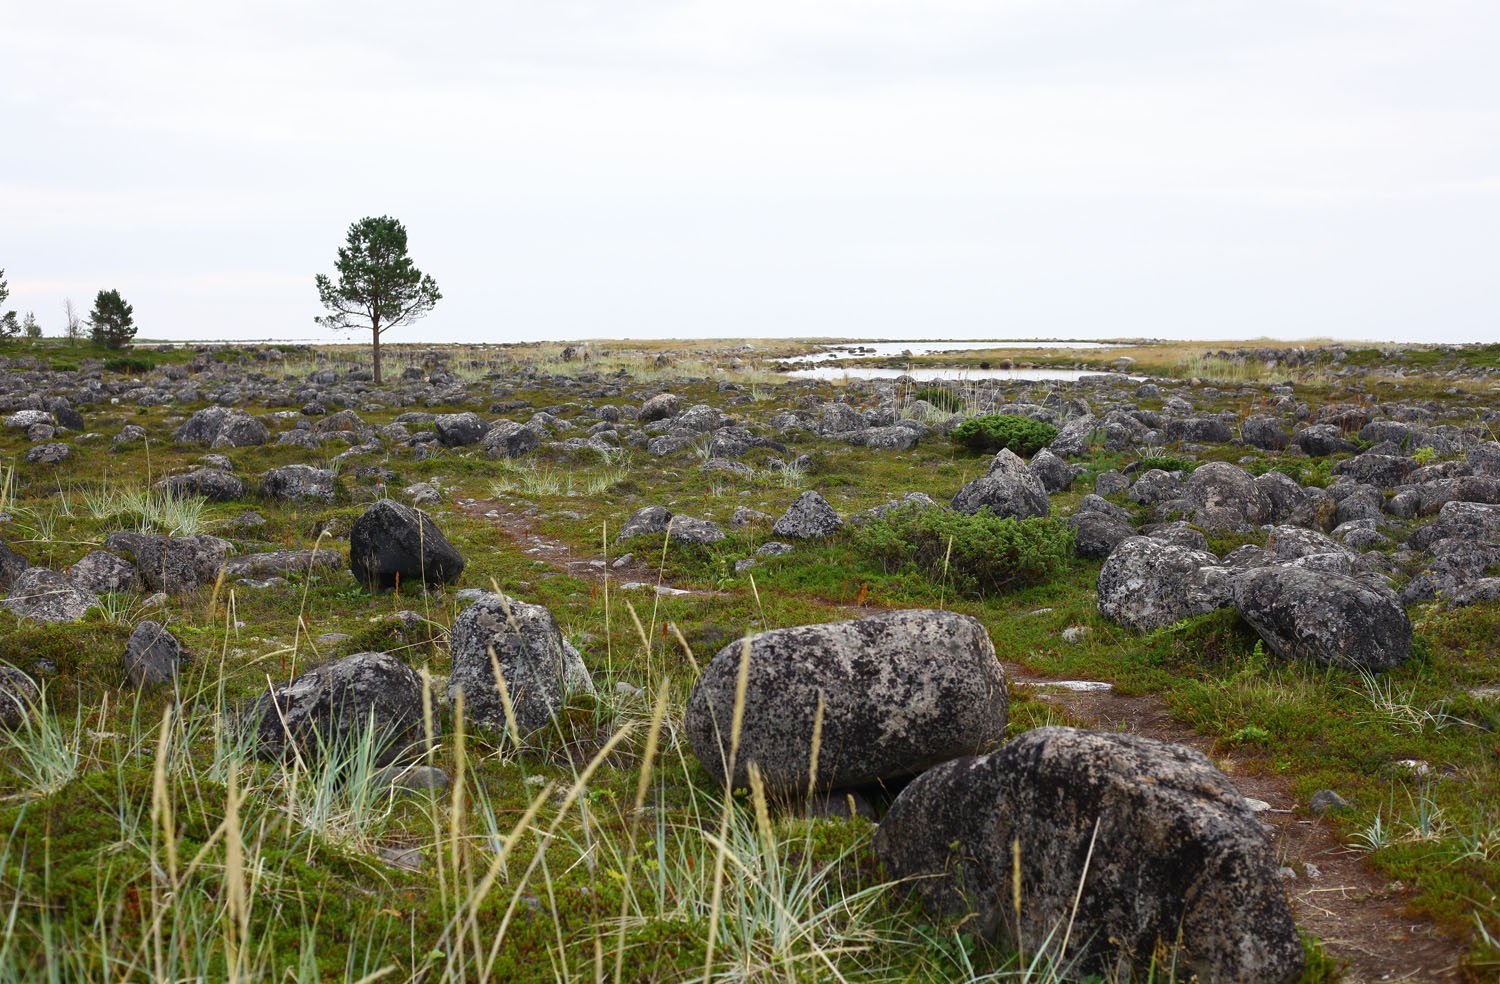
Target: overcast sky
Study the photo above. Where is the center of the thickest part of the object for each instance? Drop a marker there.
(883, 168)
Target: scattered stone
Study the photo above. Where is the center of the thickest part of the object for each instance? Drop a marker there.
(1325, 617)
(392, 542)
(298, 483)
(1148, 584)
(1008, 489)
(900, 692)
(538, 667)
(1173, 854)
(152, 655)
(327, 708)
(44, 595)
(1326, 801)
(19, 697)
(810, 517)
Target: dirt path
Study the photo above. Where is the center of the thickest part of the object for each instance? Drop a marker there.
(1360, 917)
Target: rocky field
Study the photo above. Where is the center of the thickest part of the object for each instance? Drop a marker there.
(647, 663)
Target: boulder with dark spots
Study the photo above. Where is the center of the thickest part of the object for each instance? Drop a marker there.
(11, 566)
(1075, 437)
(212, 484)
(1096, 534)
(1281, 494)
(456, 430)
(102, 572)
(1384, 471)
(1218, 485)
(808, 518)
(537, 666)
(1199, 430)
(393, 543)
(44, 595)
(893, 438)
(152, 655)
(659, 407)
(222, 427)
(173, 564)
(1056, 474)
(19, 697)
(899, 692)
(1484, 458)
(1324, 617)
(1467, 520)
(1174, 864)
(51, 453)
(508, 439)
(1110, 483)
(1153, 486)
(298, 483)
(1009, 490)
(1148, 584)
(1463, 488)
(328, 709)
(1266, 433)
(679, 527)
(1319, 440)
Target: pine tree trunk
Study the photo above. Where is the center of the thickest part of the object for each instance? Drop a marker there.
(376, 348)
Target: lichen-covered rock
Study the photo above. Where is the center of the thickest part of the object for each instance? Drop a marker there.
(298, 483)
(911, 500)
(18, 697)
(44, 595)
(1319, 440)
(328, 708)
(1009, 490)
(681, 528)
(508, 439)
(808, 518)
(1266, 433)
(1149, 584)
(901, 691)
(1096, 534)
(212, 484)
(391, 543)
(1056, 474)
(1167, 852)
(222, 427)
(281, 562)
(1383, 471)
(1325, 617)
(173, 563)
(538, 666)
(1075, 437)
(11, 566)
(659, 407)
(1218, 485)
(456, 430)
(102, 572)
(152, 655)
(48, 454)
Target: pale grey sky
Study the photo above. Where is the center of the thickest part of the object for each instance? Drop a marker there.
(884, 168)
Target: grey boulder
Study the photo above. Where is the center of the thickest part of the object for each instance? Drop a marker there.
(1325, 617)
(326, 710)
(537, 666)
(19, 698)
(1149, 584)
(900, 692)
(44, 595)
(1009, 490)
(152, 655)
(102, 572)
(392, 542)
(298, 483)
(212, 484)
(809, 518)
(1167, 852)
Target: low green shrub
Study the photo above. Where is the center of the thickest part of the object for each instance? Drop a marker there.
(974, 555)
(1167, 464)
(995, 431)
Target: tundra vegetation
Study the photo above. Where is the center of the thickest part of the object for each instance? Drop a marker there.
(596, 580)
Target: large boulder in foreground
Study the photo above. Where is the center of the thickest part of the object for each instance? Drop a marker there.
(901, 692)
(392, 542)
(1008, 489)
(1166, 850)
(1149, 584)
(327, 709)
(538, 667)
(1325, 617)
